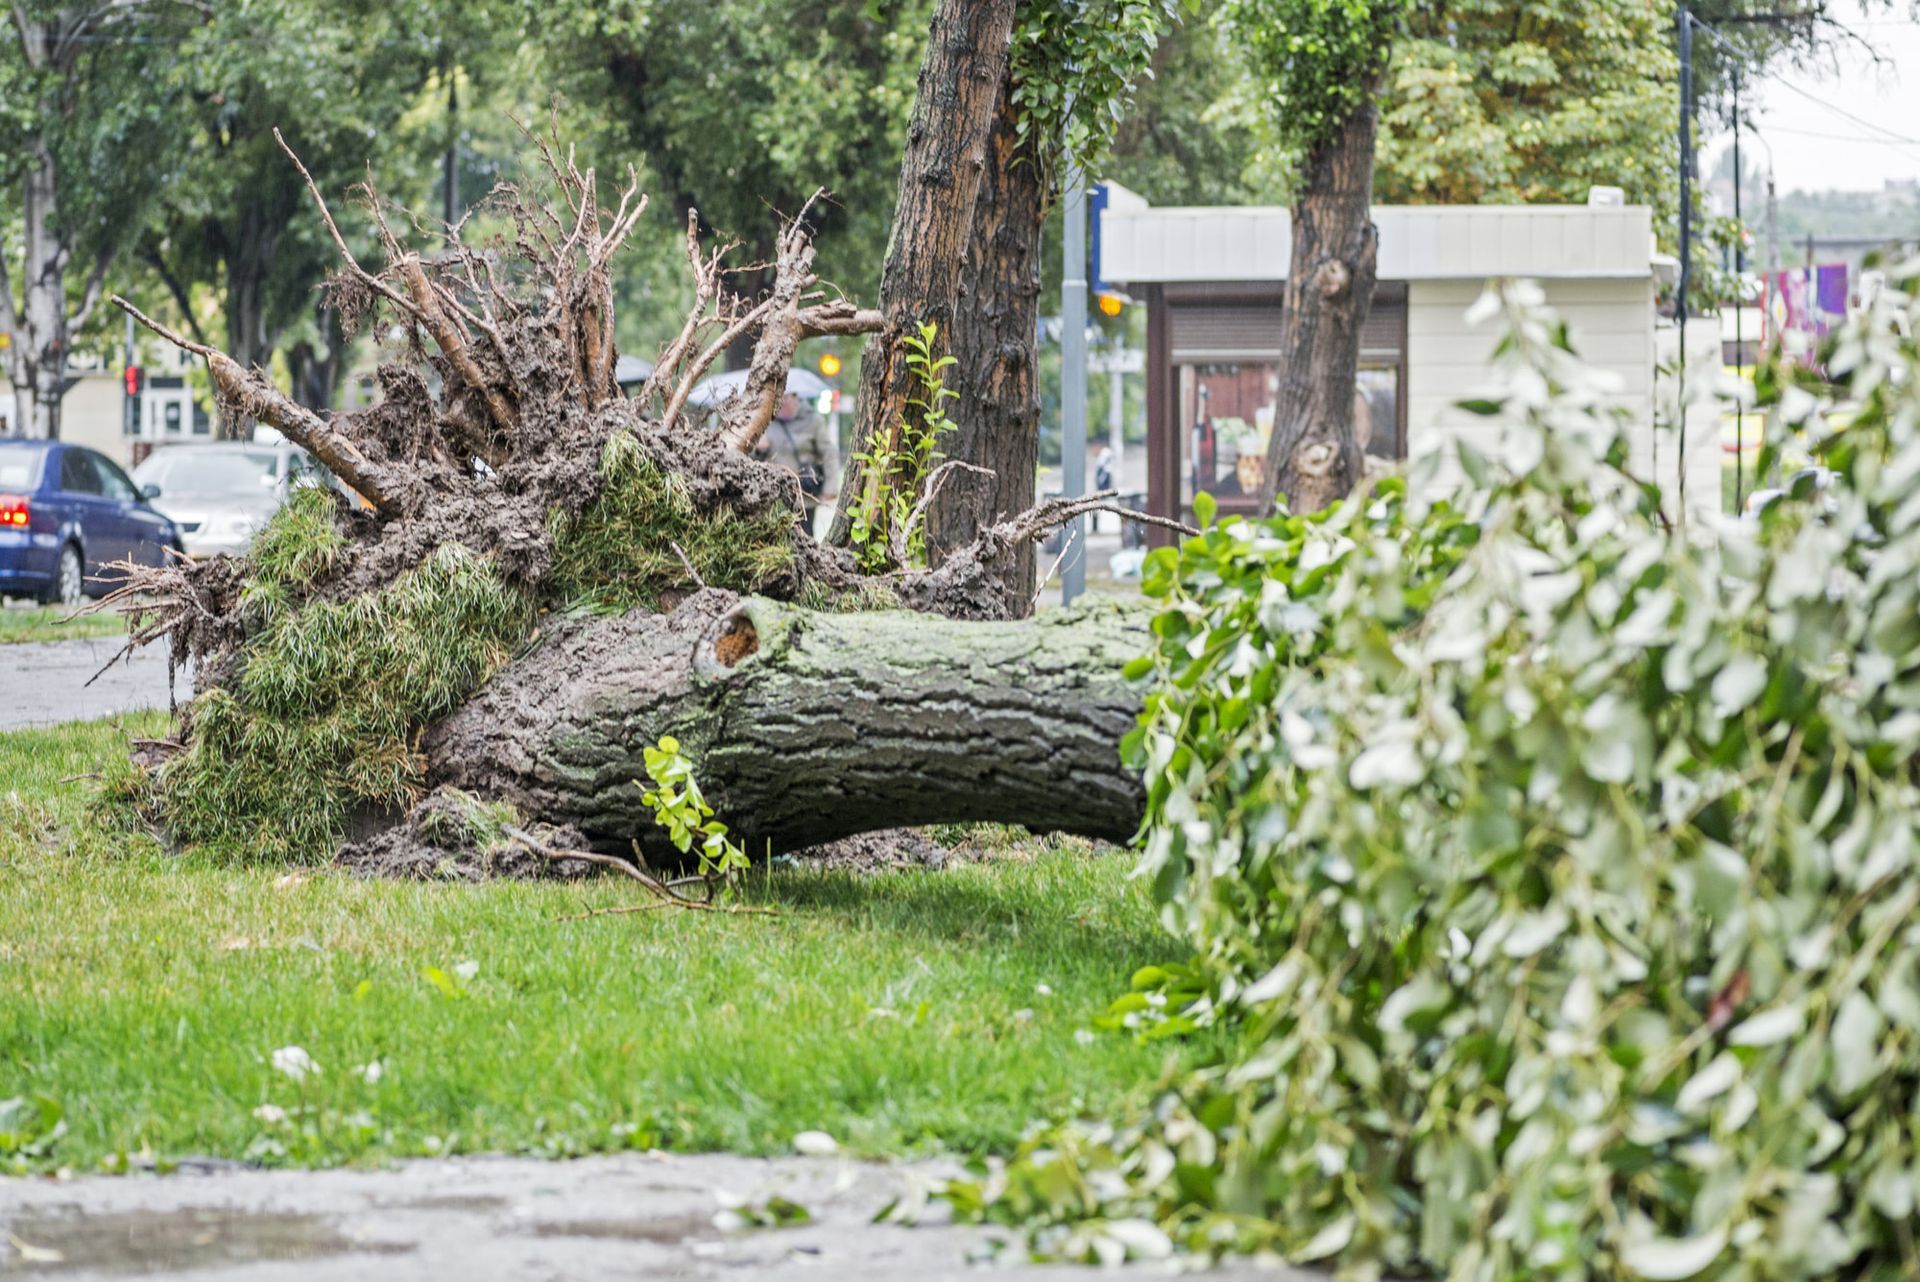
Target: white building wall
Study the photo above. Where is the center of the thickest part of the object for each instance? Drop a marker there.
(90, 412)
(1611, 323)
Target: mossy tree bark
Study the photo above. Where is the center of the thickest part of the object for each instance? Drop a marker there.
(809, 726)
(1313, 457)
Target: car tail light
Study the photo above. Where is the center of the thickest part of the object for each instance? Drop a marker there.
(15, 511)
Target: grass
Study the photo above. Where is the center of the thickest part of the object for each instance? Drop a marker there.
(44, 623)
(142, 996)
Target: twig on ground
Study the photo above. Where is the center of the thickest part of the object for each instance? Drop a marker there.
(664, 890)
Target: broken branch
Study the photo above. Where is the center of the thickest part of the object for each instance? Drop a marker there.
(250, 393)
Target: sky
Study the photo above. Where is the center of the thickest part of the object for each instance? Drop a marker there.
(1800, 113)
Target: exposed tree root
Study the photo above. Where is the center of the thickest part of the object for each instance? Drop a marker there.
(508, 482)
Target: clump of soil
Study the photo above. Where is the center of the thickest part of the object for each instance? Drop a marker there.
(452, 836)
(880, 851)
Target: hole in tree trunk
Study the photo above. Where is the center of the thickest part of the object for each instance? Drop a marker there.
(737, 641)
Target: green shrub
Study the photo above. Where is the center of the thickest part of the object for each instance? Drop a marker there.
(1558, 877)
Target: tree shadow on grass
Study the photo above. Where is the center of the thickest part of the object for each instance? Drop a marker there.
(1030, 908)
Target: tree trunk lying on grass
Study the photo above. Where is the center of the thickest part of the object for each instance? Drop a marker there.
(808, 726)
(378, 662)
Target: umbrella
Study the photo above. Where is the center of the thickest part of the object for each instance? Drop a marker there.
(804, 383)
(629, 370)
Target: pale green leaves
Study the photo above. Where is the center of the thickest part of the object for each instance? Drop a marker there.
(680, 808)
(1672, 1259)
(1561, 878)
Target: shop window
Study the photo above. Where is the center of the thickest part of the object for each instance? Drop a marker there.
(1226, 423)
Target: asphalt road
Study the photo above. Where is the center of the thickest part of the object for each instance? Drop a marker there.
(45, 683)
(478, 1219)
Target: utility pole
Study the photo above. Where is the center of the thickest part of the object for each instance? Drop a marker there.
(1073, 378)
(1739, 305)
(1686, 236)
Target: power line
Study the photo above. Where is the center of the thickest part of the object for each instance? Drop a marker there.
(1843, 112)
(1815, 133)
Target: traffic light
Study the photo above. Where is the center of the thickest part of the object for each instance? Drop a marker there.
(135, 381)
(830, 365)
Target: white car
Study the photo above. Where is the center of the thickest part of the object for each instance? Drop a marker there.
(219, 494)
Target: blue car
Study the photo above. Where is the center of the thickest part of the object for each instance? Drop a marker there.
(66, 512)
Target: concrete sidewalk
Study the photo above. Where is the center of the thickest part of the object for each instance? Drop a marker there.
(45, 682)
(478, 1219)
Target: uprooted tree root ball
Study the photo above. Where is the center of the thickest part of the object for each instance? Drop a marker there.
(513, 495)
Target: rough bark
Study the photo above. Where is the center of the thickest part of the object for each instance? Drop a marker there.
(996, 375)
(924, 277)
(1313, 457)
(810, 727)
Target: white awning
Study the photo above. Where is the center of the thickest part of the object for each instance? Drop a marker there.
(1140, 244)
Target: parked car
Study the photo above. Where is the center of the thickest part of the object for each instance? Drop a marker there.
(66, 512)
(222, 492)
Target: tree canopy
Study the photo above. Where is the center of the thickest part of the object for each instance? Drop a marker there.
(1486, 101)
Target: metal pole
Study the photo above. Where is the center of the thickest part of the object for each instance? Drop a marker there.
(1739, 305)
(1773, 222)
(1073, 378)
(1686, 233)
(131, 414)
(452, 193)
(1116, 405)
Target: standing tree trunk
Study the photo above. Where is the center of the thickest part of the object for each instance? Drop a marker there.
(996, 374)
(810, 727)
(40, 328)
(1313, 457)
(940, 175)
(246, 252)
(315, 378)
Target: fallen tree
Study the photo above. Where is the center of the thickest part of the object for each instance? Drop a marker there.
(811, 726)
(545, 584)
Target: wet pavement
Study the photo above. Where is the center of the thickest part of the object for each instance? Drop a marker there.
(44, 683)
(476, 1219)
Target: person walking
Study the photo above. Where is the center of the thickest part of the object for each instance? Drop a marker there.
(802, 442)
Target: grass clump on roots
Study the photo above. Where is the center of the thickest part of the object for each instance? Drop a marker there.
(320, 717)
(619, 553)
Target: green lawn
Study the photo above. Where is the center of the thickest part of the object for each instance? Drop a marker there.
(43, 623)
(902, 1012)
